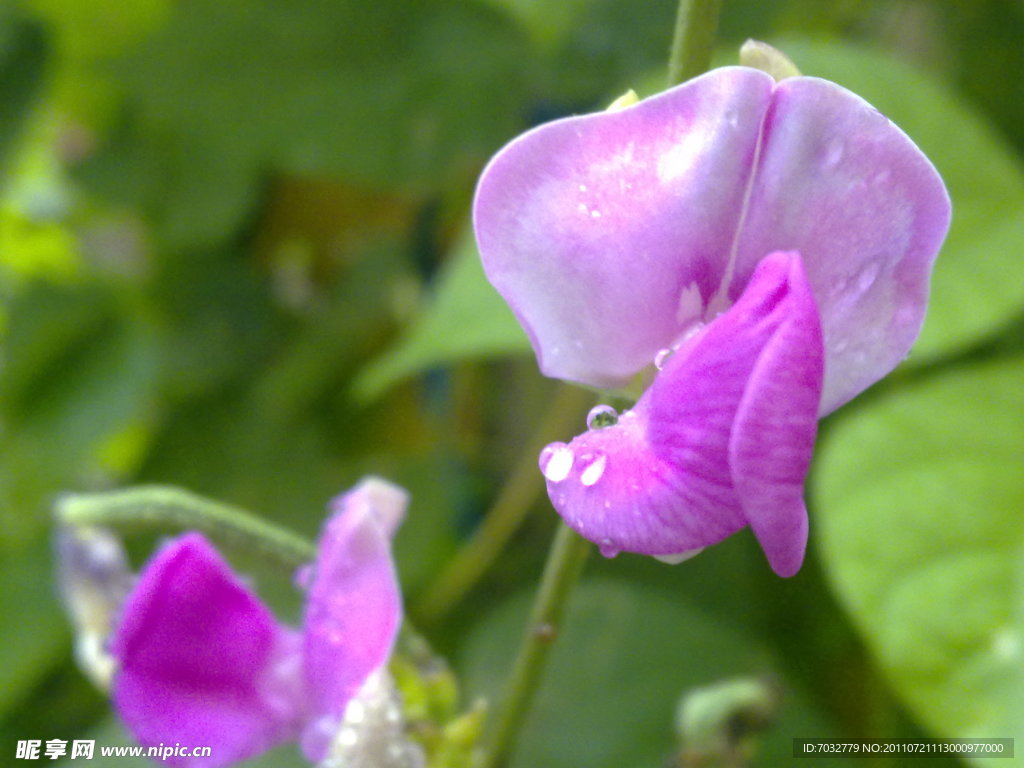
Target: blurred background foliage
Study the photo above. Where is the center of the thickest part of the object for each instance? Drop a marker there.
(235, 257)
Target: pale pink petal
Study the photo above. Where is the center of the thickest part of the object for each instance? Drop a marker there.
(660, 481)
(354, 607)
(839, 182)
(199, 660)
(608, 233)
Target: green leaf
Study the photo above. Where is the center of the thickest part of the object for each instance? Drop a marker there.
(36, 642)
(23, 53)
(465, 318)
(973, 289)
(919, 501)
(625, 657)
(81, 374)
(385, 94)
(548, 22)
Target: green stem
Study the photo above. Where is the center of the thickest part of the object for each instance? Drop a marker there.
(694, 39)
(155, 506)
(507, 513)
(564, 566)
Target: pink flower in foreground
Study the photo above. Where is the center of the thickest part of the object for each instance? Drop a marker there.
(202, 662)
(769, 244)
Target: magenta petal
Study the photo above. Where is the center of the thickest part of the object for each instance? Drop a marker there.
(867, 211)
(199, 659)
(354, 606)
(773, 435)
(662, 481)
(608, 233)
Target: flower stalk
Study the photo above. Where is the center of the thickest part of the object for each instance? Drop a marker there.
(694, 39)
(561, 573)
(165, 507)
(507, 513)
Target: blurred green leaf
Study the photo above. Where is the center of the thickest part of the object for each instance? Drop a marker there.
(621, 664)
(976, 286)
(919, 505)
(984, 48)
(465, 318)
(37, 641)
(88, 29)
(23, 55)
(387, 94)
(548, 22)
(80, 374)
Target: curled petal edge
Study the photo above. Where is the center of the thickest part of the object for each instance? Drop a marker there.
(354, 606)
(726, 430)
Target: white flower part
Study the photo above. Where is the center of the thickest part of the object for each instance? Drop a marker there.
(372, 731)
(94, 578)
(679, 557)
(383, 500)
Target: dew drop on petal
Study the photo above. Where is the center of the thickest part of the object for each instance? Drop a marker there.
(355, 711)
(348, 737)
(662, 357)
(319, 734)
(556, 462)
(601, 416)
(607, 548)
(834, 154)
(303, 576)
(593, 471)
(867, 277)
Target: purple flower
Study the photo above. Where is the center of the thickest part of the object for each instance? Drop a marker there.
(202, 662)
(769, 244)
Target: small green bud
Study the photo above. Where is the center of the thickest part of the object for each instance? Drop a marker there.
(718, 724)
(767, 58)
(628, 99)
(460, 739)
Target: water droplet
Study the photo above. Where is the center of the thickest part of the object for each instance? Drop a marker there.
(595, 214)
(303, 576)
(608, 548)
(1006, 645)
(317, 736)
(593, 471)
(834, 154)
(556, 462)
(679, 557)
(662, 357)
(583, 187)
(602, 416)
(355, 712)
(582, 208)
(867, 277)
(348, 737)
